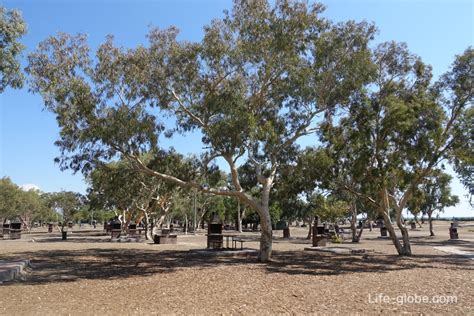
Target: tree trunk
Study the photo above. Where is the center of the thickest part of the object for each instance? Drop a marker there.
(185, 224)
(148, 229)
(353, 224)
(391, 231)
(417, 221)
(310, 224)
(361, 230)
(202, 213)
(26, 222)
(406, 248)
(147, 236)
(356, 235)
(266, 238)
(266, 235)
(160, 221)
(239, 217)
(402, 249)
(430, 220)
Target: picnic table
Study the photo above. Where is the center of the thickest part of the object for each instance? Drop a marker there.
(232, 239)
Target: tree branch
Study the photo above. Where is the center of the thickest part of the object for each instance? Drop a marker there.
(193, 185)
(188, 112)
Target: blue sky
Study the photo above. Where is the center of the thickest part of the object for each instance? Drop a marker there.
(435, 30)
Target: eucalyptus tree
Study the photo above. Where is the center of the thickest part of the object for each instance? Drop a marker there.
(306, 190)
(456, 87)
(203, 203)
(115, 187)
(329, 208)
(18, 204)
(119, 186)
(360, 206)
(457, 83)
(66, 204)
(12, 28)
(433, 195)
(261, 77)
(9, 198)
(111, 187)
(30, 207)
(398, 130)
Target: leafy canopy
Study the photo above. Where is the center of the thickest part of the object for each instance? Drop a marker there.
(255, 83)
(12, 27)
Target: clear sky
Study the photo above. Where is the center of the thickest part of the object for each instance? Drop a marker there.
(436, 30)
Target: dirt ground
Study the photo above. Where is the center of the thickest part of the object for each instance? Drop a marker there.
(90, 275)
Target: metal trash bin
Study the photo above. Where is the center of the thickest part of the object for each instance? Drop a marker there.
(453, 232)
(15, 231)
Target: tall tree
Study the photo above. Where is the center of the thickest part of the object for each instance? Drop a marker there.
(9, 198)
(261, 78)
(66, 204)
(118, 186)
(455, 87)
(18, 204)
(12, 28)
(434, 195)
(31, 207)
(399, 130)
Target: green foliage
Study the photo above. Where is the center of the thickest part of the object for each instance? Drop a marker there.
(9, 198)
(119, 185)
(17, 204)
(65, 203)
(329, 209)
(12, 27)
(395, 134)
(434, 195)
(256, 82)
(457, 87)
(275, 212)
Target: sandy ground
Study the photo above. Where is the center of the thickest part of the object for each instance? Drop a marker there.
(90, 275)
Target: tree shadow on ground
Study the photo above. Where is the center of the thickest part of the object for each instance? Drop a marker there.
(55, 266)
(51, 266)
(315, 263)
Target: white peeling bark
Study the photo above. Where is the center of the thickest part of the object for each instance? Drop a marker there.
(266, 238)
(404, 248)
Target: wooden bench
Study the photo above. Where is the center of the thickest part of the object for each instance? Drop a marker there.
(236, 240)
